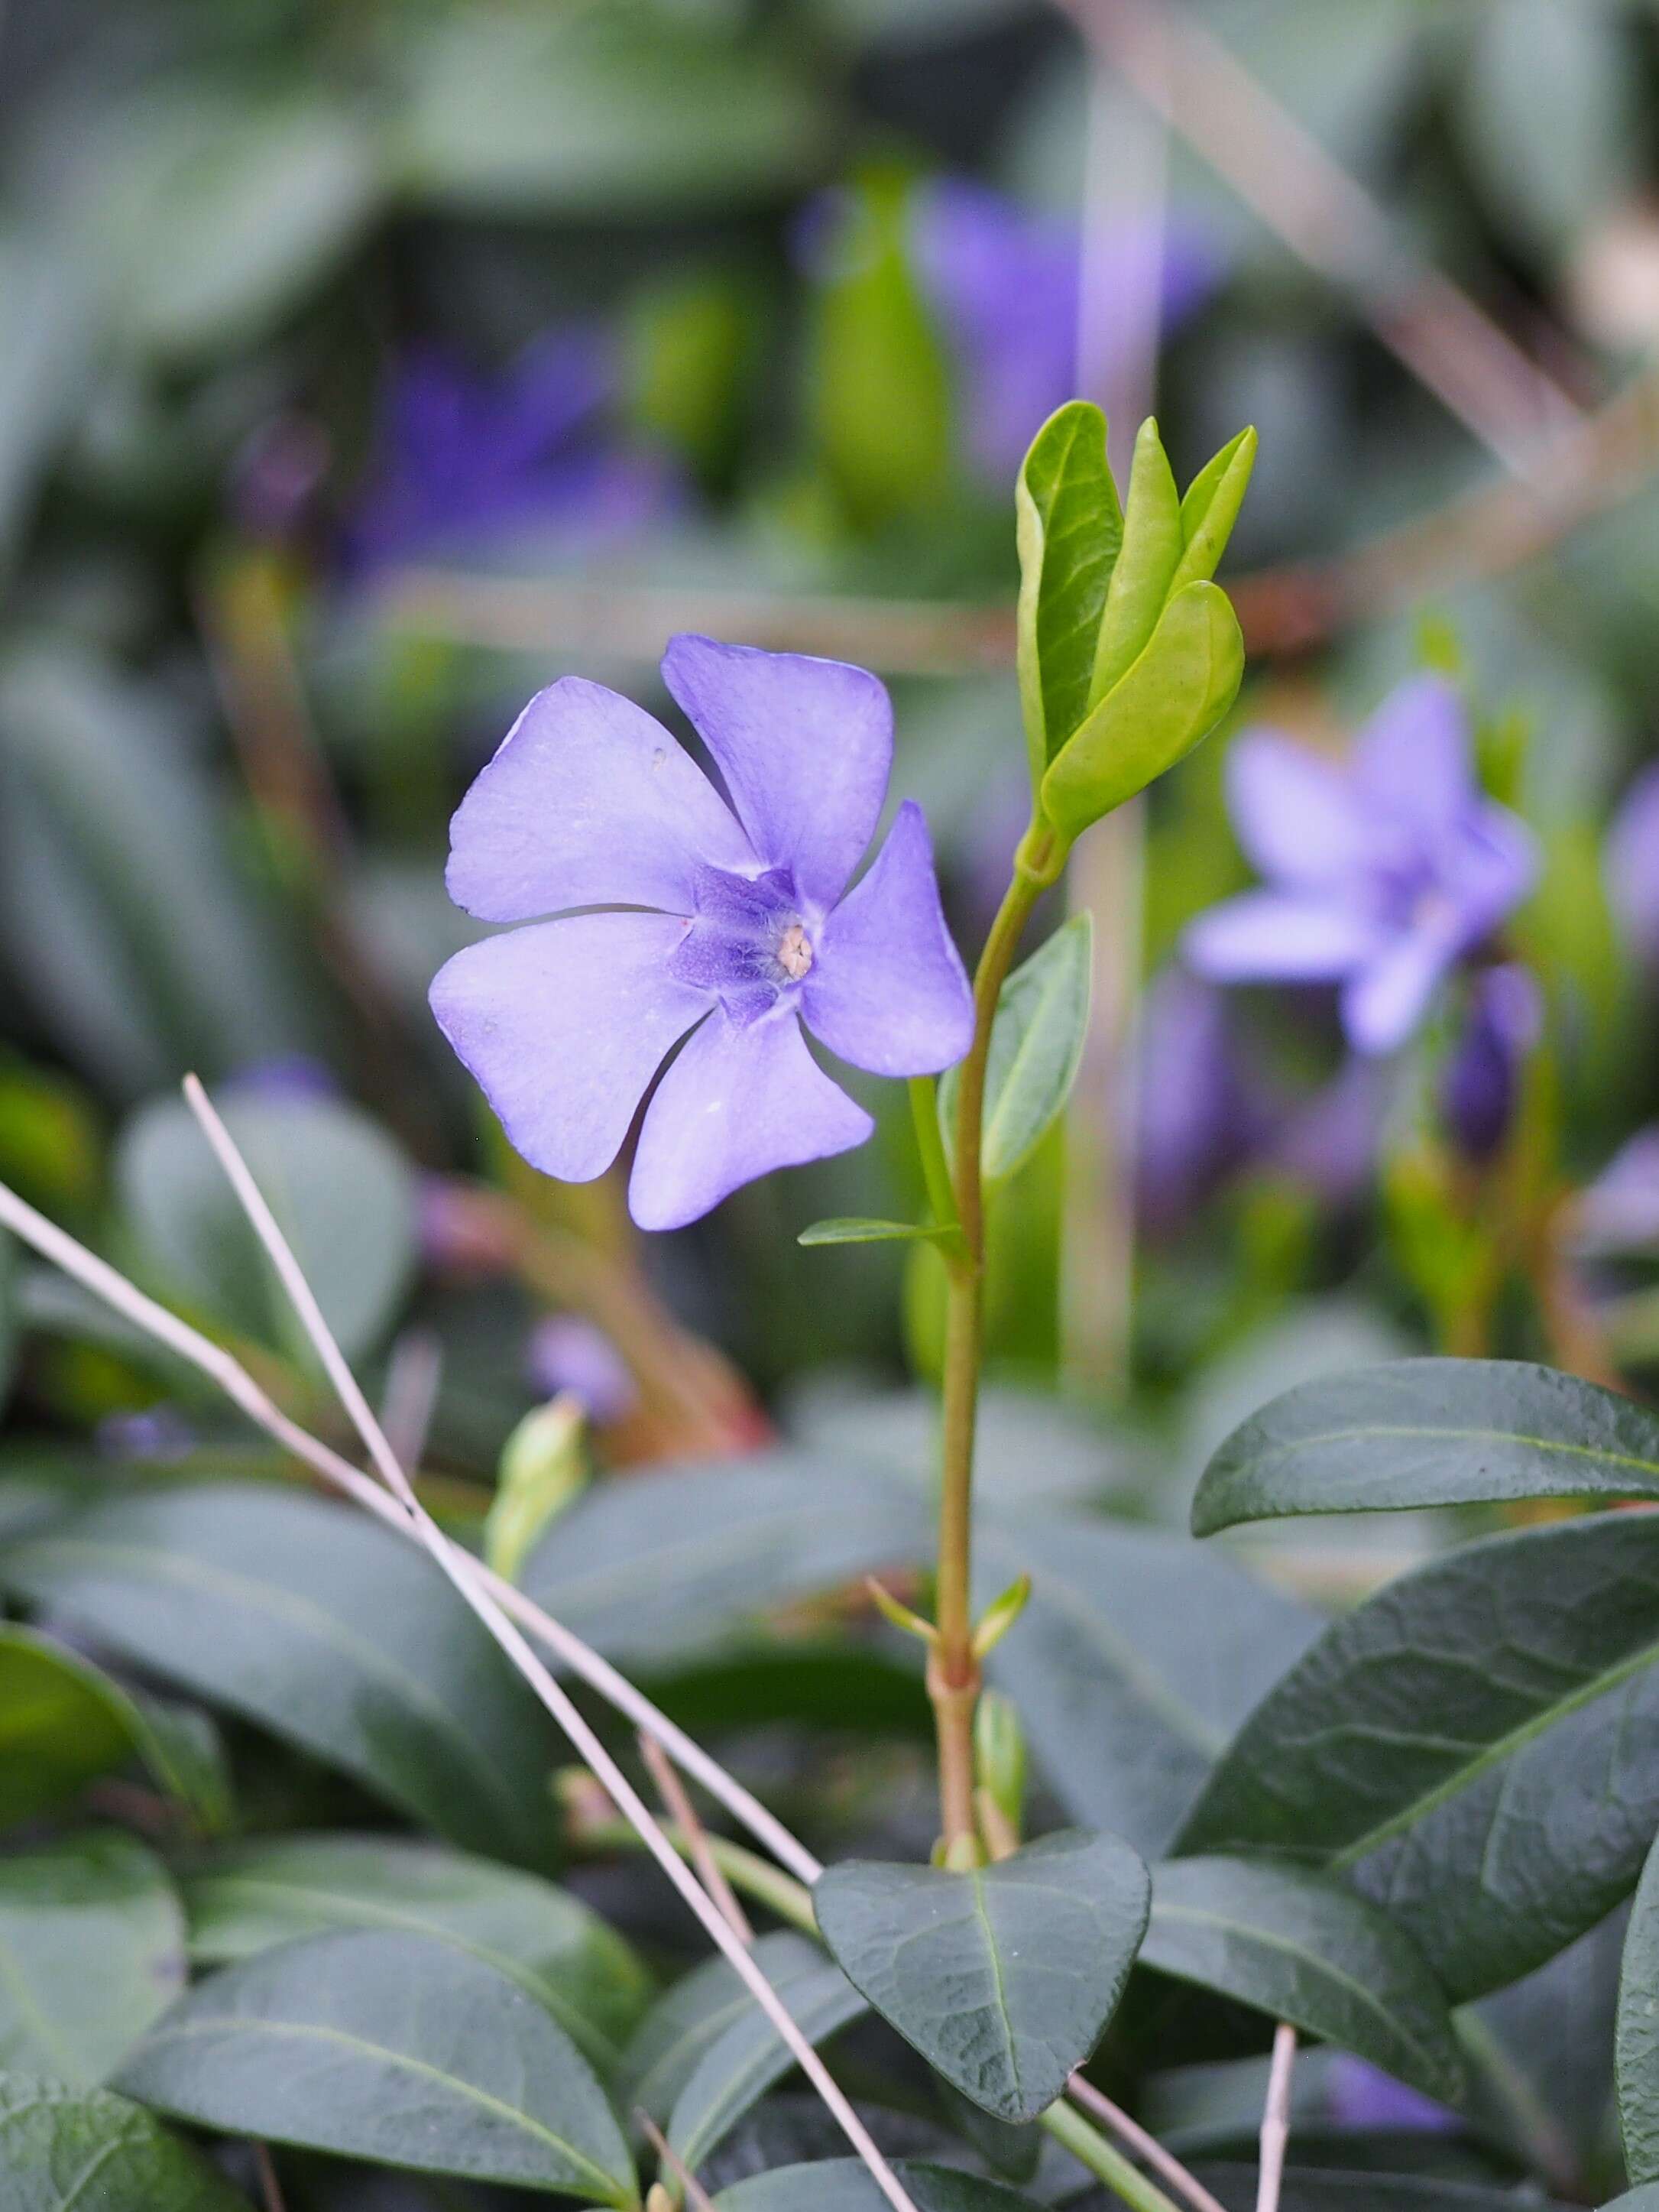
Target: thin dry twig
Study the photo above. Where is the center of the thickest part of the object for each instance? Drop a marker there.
(678, 1804)
(1134, 2137)
(269, 2187)
(695, 2195)
(413, 1376)
(472, 1588)
(1276, 2119)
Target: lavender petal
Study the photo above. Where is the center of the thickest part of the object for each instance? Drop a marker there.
(1297, 815)
(1266, 937)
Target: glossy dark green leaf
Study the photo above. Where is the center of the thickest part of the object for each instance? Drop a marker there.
(63, 1720)
(602, 115)
(850, 1229)
(686, 2023)
(323, 1627)
(1069, 528)
(843, 2184)
(247, 1897)
(661, 1563)
(53, 2138)
(1036, 1048)
(1137, 1656)
(1420, 1432)
(92, 1948)
(139, 952)
(1162, 705)
(1298, 1947)
(343, 1192)
(747, 2056)
(1637, 2053)
(1003, 1978)
(1311, 2191)
(391, 2047)
(1477, 1747)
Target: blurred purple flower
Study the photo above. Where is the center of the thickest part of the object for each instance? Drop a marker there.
(567, 1355)
(1196, 1120)
(1632, 865)
(745, 932)
(1382, 871)
(463, 458)
(1481, 1079)
(284, 1075)
(1005, 284)
(1330, 1142)
(1359, 2095)
(155, 1435)
(1619, 1210)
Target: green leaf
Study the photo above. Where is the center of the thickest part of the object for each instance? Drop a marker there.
(46, 364)
(1471, 1745)
(603, 114)
(850, 1229)
(657, 1565)
(53, 2136)
(1004, 1977)
(391, 2047)
(9, 1273)
(1036, 1048)
(1638, 2046)
(682, 2027)
(1642, 2199)
(1236, 2186)
(1172, 697)
(323, 1627)
(141, 953)
(247, 1897)
(1069, 529)
(1210, 509)
(1136, 1658)
(343, 1192)
(747, 2058)
(1153, 542)
(1297, 1946)
(63, 1720)
(92, 1948)
(1420, 1432)
(843, 2184)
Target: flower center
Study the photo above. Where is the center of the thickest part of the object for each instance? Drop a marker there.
(794, 952)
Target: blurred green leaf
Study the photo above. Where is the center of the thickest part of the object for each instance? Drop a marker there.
(1069, 528)
(1037, 1038)
(1638, 2030)
(63, 1721)
(1003, 1978)
(398, 2048)
(1421, 1432)
(843, 2184)
(55, 2136)
(607, 111)
(122, 922)
(1171, 697)
(323, 1627)
(656, 1563)
(1300, 1948)
(216, 213)
(248, 1897)
(46, 360)
(544, 1466)
(341, 1189)
(92, 1949)
(872, 1232)
(9, 1275)
(1487, 1838)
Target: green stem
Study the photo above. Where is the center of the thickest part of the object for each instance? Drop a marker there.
(1107, 2163)
(953, 1670)
(935, 1168)
(791, 1902)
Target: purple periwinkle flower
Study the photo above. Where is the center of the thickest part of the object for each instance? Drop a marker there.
(1360, 2096)
(1632, 867)
(1005, 284)
(1196, 1118)
(567, 1356)
(1382, 872)
(1618, 1212)
(1481, 1079)
(682, 914)
(463, 459)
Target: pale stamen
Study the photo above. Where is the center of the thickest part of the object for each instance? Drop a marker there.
(795, 952)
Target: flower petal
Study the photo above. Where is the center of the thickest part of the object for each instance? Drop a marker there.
(1297, 815)
(1494, 865)
(588, 802)
(736, 1104)
(1383, 1002)
(806, 747)
(1413, 757)
(563, 1026)
(1265, 937)
(887, 989)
